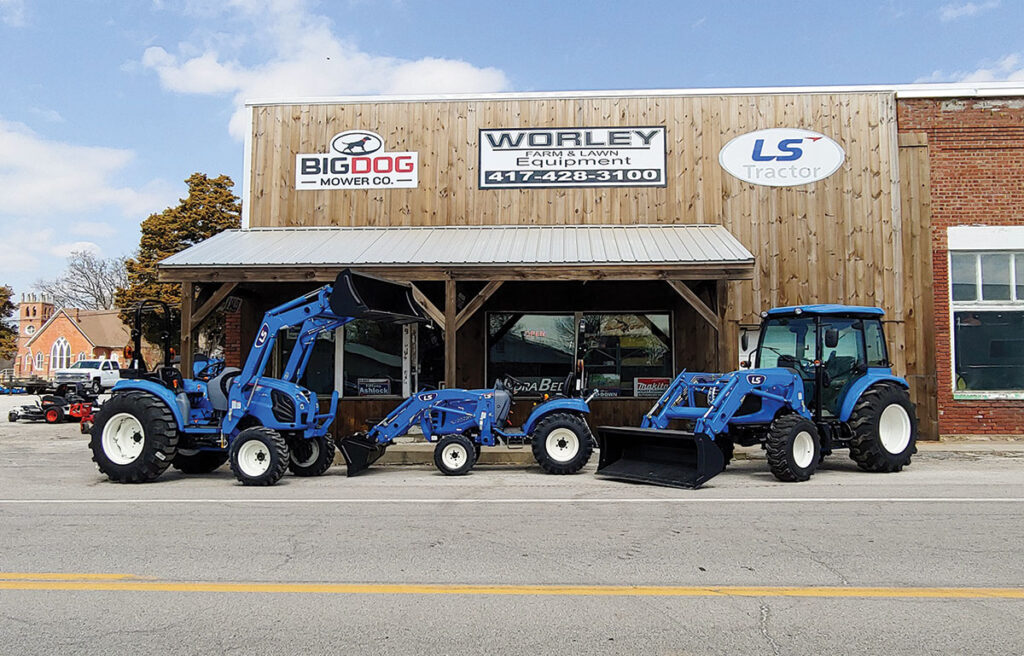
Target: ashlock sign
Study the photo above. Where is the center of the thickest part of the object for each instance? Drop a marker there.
(781, 157)
(357, 159)
(572, 157)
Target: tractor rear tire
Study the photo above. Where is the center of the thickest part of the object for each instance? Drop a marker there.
(53, 415)
(727, 447)
(134, 438)
(884, 425)
(793, 447)
(454, 455)
(312, 456)
(192, 461)
(259, 456)
(562, 443)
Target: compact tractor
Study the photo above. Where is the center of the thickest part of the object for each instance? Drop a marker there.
(821, 381)
(263, 425)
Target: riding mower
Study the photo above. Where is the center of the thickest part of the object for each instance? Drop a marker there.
(822, 381)
(68, 402)
(263, 425)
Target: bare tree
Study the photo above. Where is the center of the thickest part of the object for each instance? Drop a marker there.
(88, 282)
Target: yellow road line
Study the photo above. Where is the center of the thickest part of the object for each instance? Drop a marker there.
(63, 576)
(506, 590)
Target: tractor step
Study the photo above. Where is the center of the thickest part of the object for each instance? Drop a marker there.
(360, 452)
(661, 457)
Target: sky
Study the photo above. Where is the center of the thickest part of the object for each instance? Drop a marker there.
(106, 107)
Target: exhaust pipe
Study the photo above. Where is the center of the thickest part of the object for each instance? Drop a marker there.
(659, 457)
(360, 452)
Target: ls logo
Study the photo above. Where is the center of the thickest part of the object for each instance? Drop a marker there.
(788, 151)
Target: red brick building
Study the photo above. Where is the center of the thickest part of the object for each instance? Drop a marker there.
(50, 338)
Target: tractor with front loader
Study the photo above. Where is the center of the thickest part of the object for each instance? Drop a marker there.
(821, 381)
(263, 425)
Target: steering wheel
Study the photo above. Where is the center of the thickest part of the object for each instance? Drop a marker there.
(803, 364)
(213, 369)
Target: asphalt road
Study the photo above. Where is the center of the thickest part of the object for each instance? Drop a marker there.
(403, 560)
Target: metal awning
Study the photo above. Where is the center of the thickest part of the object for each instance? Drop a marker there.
(622, 252)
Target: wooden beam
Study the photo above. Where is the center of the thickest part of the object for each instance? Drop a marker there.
(210, 305)
(690, 297)
(436, 315)
(728, 335)
(477, 302)
(187, 347)
(450, 330)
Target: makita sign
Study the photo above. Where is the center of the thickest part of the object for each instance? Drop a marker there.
(781, 157)
(357, 159)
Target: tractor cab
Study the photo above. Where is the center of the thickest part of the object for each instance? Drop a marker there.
(829, 346)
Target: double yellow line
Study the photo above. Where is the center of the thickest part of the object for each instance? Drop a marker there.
(131, 583)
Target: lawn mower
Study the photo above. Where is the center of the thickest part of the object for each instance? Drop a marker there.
(823, 381)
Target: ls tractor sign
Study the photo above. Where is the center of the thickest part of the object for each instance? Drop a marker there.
(781, 157)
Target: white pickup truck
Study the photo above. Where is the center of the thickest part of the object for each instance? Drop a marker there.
(97, 375)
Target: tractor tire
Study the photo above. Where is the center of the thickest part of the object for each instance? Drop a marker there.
(793, 447)
(134, 438)
(53, 415)
(259, 456)
(96, 387)
(193, 461)
(562, 443)
(884, 425)
(727, 447)
(454, 455)
(312, 456)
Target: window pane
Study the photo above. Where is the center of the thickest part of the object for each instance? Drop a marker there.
(1020, 276)
(319, 375)
(536, 349)
(373, 358)
(788, 343)
(964, 273)
(989, 350)
(628, 354)
(995, 277)
(874, 342)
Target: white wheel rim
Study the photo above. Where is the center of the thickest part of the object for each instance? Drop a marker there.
(314, 453)
(454, 456)
(123, 439)
(254, 458)
(803, 449)
(894, 429)
(562, 444)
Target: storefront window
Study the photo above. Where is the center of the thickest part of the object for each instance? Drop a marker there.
(319, 375)
(628, 354)
(372, 359)
(536, 349)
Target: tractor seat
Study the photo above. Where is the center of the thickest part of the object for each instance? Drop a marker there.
(219, 386)
(502, 405)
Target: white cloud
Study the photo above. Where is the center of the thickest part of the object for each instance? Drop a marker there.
(1009, 68)
(953, 12)
(41, 177)
(48, 115)
(306, 59)
(67, 248)
(93, 229)
(12, 12)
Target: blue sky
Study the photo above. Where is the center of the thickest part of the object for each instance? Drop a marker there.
(106, 107)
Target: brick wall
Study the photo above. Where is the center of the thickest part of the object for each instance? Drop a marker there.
(233, 339)
(60, 327)
(976, 154)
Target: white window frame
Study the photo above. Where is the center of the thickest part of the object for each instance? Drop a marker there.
(60, 354)
(977, 241)
(39, 361)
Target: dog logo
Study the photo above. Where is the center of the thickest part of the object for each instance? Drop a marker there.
(357, 142)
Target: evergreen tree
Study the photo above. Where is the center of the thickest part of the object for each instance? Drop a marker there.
(8, 328)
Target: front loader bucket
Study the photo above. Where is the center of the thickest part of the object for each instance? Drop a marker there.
(360, 452)
(365, 297)
(660, 457)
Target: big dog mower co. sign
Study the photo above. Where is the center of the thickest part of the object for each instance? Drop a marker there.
(781, 157)
(572, 157)
(357, 160)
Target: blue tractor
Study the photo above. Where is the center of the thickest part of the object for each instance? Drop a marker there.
(821, 381)
(263, 425)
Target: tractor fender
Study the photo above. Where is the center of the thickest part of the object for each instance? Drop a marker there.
(859, 386)
(167, 396)
(554, 405)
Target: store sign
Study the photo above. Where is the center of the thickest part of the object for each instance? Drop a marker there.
(781, 157)
(650, 388)
(357, 159)
(572, 157)
(373, 386)
(535, 385)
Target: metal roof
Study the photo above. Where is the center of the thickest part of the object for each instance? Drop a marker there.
(454, 246)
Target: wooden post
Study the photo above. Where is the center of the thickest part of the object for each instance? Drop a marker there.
(727, 341)
(450, 330)
(187, 301)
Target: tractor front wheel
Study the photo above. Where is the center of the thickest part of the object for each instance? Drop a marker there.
(727, 447)
(793, 448)
(194, 461)
(454, 455)
(884, 425)
(259, 456)
(311, 456)
(134, 438)
(562, 443)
